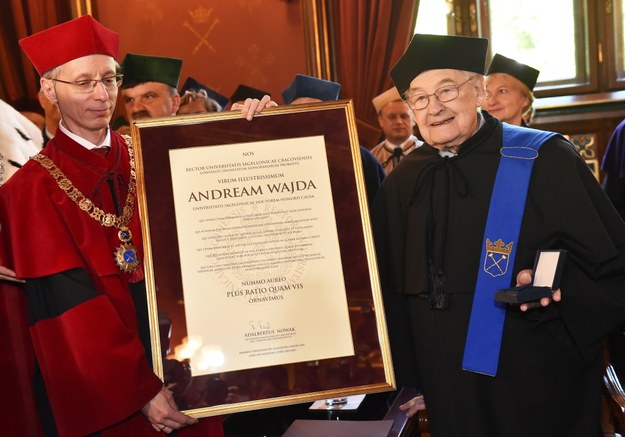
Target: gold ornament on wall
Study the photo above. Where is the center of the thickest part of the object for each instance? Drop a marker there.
(253, 61)
(201, 16)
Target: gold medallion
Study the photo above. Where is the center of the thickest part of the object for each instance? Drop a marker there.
(126, 257)
(126, 254)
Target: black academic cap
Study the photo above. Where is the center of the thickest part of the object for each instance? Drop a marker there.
(243, 92)
(192, 84)
(436, 52)
(143, 68)
(308, 86)
(525, 73)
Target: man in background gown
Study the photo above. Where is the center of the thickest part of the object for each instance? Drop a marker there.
(150, 87)
(308, 89)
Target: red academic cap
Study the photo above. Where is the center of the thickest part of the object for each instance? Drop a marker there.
(67, 41)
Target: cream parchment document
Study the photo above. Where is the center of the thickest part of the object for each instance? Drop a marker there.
(260, 258)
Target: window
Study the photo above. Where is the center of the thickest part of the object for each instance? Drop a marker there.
(433, 16)
(515, 32)
(616, 9)
(578, 45)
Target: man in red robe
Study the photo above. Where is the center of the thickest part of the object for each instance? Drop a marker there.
(74, 360)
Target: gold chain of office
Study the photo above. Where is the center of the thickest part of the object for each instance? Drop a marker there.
(84, 203)
(126, 254)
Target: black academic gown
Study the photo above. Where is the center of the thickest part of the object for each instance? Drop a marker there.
(373, 173)
(432, 211)
(613, 165)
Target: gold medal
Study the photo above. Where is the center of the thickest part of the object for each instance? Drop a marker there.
(126, 257)
(126, 254)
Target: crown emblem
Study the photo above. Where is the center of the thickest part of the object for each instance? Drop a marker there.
(499, 246)
(497, 257)
(201, 14)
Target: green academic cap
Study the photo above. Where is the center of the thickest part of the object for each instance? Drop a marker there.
(437, 52)
(142, 68)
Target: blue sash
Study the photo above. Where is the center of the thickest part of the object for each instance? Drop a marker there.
(507, 203)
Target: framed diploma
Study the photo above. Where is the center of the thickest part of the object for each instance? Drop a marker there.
(260, 269)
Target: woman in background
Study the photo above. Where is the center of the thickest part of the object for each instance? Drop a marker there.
(509, 86)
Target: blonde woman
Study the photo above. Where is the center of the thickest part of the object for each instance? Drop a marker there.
(509, 86)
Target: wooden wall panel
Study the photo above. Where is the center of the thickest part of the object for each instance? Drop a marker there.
(223, 43)
(587, 121)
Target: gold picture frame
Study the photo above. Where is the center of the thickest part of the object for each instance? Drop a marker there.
(306, 142)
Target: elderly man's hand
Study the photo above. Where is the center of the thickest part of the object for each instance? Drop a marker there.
(525, 277)
(413, 406)
(253, 106)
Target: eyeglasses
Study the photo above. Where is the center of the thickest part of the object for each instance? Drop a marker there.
(193, 94)
(88, 85)
(444, 94)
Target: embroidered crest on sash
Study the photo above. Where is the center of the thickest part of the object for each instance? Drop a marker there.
(497, 257)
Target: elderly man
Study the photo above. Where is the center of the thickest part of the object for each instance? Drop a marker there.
(71, 229)
(396, 121)
(460, 218)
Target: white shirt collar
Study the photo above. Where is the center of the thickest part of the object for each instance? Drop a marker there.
(411, 139)
(85, 143)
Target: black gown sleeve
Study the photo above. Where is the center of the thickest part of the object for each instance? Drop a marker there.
(387, 228)
(571, 210)
(373, 174)
(614, 187)
(51, 296)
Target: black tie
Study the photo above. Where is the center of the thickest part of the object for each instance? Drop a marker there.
(398, 152)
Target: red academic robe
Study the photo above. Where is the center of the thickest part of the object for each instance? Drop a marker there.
(82, 328)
